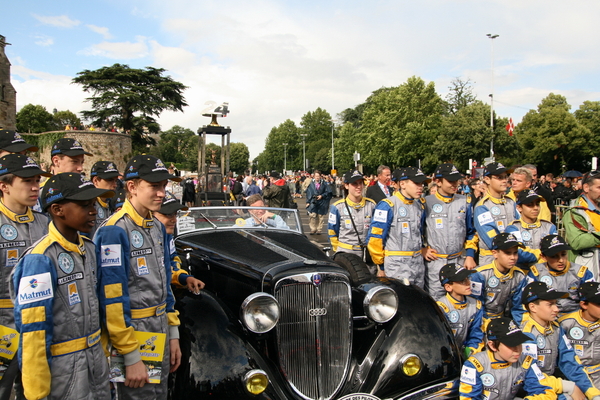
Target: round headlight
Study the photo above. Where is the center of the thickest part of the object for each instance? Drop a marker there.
(260, 312)
(381, 304)
(411, 364)
(256, 381)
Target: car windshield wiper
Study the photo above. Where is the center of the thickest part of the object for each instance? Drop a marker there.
(207, 220)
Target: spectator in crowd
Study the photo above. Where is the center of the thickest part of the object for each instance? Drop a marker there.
(237, 193)
(252, 188)
(189, 191)
(544, 192)
(522, 179)
(582, 224)
(381, 189)
(277, 194)
(318, 195)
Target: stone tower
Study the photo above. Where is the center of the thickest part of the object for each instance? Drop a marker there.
(8, 95)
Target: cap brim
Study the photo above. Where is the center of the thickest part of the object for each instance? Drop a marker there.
(420, 179)
(506, 246)
(531, 200)
(451, 178)
(107, 175)
(159, 176)
(172, 208)
(462, 275)
(593, 299)
(352, 180)
(29, 172)
(514, 339)
(553, 295)
(19, 147)
(555, 250)
(90, 194)
(73, 153)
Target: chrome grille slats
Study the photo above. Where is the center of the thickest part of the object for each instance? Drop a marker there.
(314, 351)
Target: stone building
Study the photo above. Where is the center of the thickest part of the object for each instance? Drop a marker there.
(8, 95)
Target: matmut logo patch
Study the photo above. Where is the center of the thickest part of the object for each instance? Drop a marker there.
(110, 255)
(35, 288)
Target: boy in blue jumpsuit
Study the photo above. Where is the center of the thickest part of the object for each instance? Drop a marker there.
(57, 311)
(167, 215)
(581, 328)
(395, 239)
(557, 271)
(464, 313)
(134, 277)
(549, 344)
(501, 370)
(499, 284)
(494, 211)
(20, 228)
(530, 229)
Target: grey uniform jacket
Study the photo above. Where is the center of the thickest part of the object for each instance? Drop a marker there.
(17, 233)
(585, 339)
(341, 230)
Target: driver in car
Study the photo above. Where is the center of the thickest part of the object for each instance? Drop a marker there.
(261, 217)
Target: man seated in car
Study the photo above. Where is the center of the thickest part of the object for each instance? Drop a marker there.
(261, 217)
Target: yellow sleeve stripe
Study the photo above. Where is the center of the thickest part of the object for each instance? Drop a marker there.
(36, 371)
(33, 314)
(491, 233)
(121, 336)
(376, 231)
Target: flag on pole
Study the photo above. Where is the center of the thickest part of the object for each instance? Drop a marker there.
(510, 127)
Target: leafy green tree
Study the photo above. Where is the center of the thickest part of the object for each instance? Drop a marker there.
(588, 114)
(317, 125)
(239, 157)
(178, 145)
(34, 119)
(64, 118)
(460, 95)
(349, 141)
(276, 153)
(552, 137)
(401, 125)
(131, 99)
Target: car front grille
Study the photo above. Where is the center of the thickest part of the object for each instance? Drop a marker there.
(314, 333)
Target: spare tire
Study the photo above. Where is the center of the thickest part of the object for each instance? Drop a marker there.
(359, 272)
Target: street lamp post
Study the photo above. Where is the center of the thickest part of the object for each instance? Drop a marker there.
(303, 151)
(492, 97)
(284, 158)
(332, 153)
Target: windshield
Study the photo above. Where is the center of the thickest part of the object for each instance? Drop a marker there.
(210, 218)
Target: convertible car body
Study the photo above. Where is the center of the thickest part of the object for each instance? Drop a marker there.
(279, 319)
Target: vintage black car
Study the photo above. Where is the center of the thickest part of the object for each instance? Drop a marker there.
(279, 319)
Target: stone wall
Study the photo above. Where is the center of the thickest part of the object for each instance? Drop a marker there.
(8, 95)
(105, 146)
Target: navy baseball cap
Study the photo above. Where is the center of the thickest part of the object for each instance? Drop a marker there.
(506, 331)
(13, 142)
(550, 245)
(117, 200)
(20, 165)
(505, 241)
(171, 205)
(104, 170)
(528, 196)
(412, 173)
(70, 186)
(540, 291)
(352, 176)
(454, 273)
(495, 168)
(589, 291)
(68, 147)
(148, 168)
(448, 171)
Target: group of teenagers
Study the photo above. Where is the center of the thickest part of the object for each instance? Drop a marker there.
(526, 317)
(85, 278)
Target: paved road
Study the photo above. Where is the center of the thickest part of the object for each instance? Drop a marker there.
(321, 240)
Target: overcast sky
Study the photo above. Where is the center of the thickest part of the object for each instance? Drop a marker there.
(274, 60)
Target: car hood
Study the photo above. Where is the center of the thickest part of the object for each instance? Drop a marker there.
(258, 248)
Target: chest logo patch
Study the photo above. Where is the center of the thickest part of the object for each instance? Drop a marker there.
(495, 210)
(453, 316)
(34, 288)
(66, 263)
(437, 208)
(576, 333)
(8, 232)
(73, 294)
(526, 236)
(137, 240)
(142, 266)
(488, 380)
(493, 282)
(547, 279)
(402, 212)
(540, 341)
(101, 213)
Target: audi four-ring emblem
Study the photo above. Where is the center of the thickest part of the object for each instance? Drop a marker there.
(315, 312)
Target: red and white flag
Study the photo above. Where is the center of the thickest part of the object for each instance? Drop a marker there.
(510, 127)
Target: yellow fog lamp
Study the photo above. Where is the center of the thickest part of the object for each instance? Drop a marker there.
(411, 364)
(256, 381)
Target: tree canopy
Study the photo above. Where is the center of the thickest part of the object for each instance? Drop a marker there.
(35, 119)
(131, 99)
